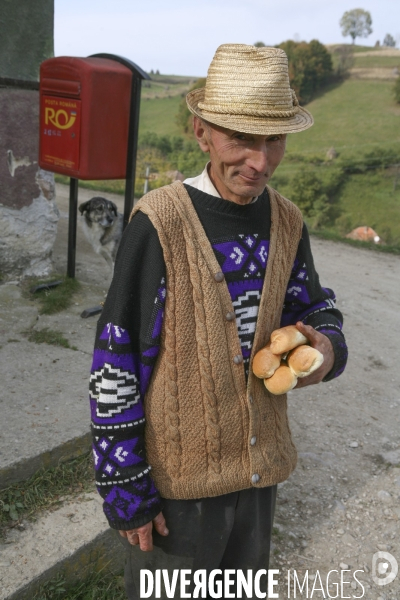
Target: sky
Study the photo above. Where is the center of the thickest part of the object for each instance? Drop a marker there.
(180, 37)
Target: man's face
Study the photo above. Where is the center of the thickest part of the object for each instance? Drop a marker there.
(241, 163)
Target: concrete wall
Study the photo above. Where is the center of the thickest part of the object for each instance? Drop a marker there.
(26, 37)
(28, 214)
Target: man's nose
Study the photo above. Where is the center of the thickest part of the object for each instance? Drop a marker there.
(258, 159)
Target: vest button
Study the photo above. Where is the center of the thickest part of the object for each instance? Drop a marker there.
(230, 316)
(251, 399)
(253, 440)
(219, 276)
(238, 359)
(255, 478)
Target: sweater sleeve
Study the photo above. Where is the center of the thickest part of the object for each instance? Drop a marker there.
(126, 349)
(306, 300)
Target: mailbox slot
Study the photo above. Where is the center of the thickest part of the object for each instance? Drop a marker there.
(60, 87)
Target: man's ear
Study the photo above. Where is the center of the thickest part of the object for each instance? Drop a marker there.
(201, 134)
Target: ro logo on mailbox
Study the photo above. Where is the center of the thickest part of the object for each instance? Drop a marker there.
(54, 117)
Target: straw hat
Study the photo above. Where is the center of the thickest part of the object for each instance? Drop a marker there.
(247, 90)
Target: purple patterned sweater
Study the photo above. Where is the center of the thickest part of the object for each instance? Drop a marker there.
(128, 336)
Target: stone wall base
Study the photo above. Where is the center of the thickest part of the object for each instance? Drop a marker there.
(27, 235)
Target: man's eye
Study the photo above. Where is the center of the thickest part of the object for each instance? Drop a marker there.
(240, 136)
(274, 138)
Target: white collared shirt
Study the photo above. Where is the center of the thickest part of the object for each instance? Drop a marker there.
(203, 183)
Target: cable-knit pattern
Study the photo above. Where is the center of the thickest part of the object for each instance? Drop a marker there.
(213, 429)
(289, 219)
(286, 226)
(173, 448)
(281, 443)
(293, 447)
(173, 440)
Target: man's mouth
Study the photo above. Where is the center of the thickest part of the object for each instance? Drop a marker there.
(254, 180)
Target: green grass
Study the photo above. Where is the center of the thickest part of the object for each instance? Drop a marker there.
(174, 79)
(333, 236)
(159, 115)
(369, 199)
(352, 116)
(53, 300)
(357, 49)
(112, 186)
(97, 586)
(48, 336)
(363, 199)
(165, 86)
(372, 62)
(44, 489)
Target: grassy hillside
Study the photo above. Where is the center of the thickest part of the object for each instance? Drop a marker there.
(159, 103)
(369, 199)
(375, 60)
(356, 48)
(354, 117)
(340, 112)
(165, 86)
(349, 117)
(158, 115)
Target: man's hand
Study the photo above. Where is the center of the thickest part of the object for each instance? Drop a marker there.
(142, 536)
(320, 342)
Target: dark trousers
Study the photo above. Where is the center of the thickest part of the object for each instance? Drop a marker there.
(232, 531)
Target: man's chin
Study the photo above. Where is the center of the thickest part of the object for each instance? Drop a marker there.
(243, 190)
(256, 183)
(252, 189)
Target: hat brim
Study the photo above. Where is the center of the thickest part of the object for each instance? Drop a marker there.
(301, 121)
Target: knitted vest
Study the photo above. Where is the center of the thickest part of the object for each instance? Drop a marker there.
(207, 432)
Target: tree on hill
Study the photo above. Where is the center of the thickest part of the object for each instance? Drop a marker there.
(389, 41)
(259, 45)
(184, 116)
(310, 67)
(356, 23)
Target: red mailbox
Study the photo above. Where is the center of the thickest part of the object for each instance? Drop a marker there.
(84, 117)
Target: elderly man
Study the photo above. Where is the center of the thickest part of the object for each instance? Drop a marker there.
(185, 436)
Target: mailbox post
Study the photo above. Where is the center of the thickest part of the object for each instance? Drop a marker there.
(89, 121)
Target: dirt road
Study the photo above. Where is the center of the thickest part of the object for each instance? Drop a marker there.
(342, 504)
